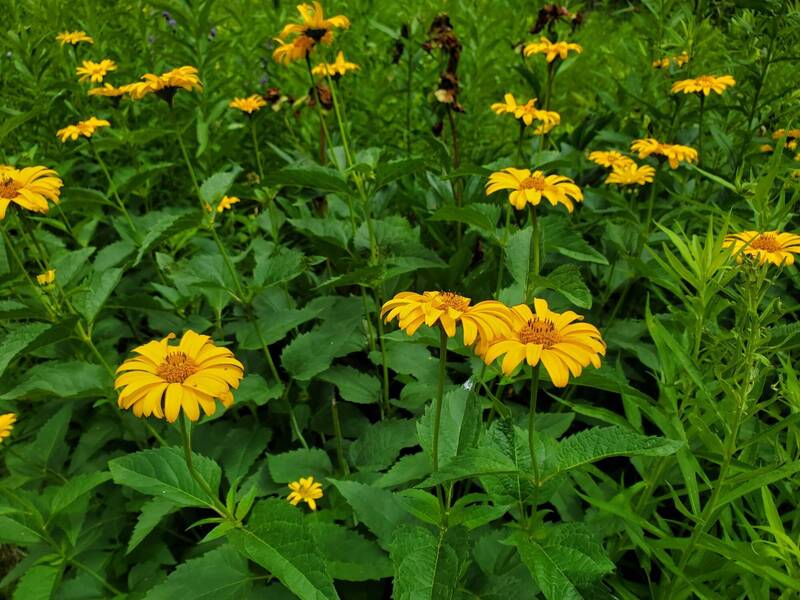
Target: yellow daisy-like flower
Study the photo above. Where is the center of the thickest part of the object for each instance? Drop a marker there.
(306, 490)
(82, 128)
(226, 203)
(674, 153)
(46, 278)
(527, 113)
(610, 159)
(705, 84)
(774, 247)
(166, 84)
(530, 187)
(551, 50)
(7, 421)
(335, 69)
(631, 174)
(766, 148)
(664, 63)
(314, 29)
(29, 188)
(563, 346)
(165, 379)
(481, 322)
(95, 72)
(182, 77)
(249, 105)
(109, 91)
(74, 38)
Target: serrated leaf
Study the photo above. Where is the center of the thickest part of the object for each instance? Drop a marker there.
(38, 583)
(163, 473)
(75, 488)
(14, 532)
(214, 188)
(426, 565)
(61, 380)
(545, 570)
(475, 462)
(18, 339)
(291, 466)
(348, 555)
(353, 385)
(153, 511)
(380, 510)
(90, 302)
(567, 281)
(168, 223)
(381, 443)
(309, 175)
(463, 214)
(459, 427)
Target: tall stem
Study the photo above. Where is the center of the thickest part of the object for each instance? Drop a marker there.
(322, 122)
(700, 130)
(112, 186)
(437, 414)
(37, 290)
(187, 451)
(535, 246)
(457, 184)
(255, 147)
(648, 221)
(532, 423)
(409, 79)
(337, 430)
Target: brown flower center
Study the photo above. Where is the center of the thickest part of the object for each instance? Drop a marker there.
(534, 182)
(766, 242)
(9, 188)
(176, 368)
(316, 34)
(451, 300)
(539, 331)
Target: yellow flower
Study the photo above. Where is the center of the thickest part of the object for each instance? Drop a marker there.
(95, 72)
(335, 69)
(249, 105)
(674, 153)
(775, 247)
(165, 379)
(82, 128)
(183, 77)
(610, 158)
(631, 174)
(226, 203)
(482, 322)
(46, 278)
(530, 188)
(7, 421)
(554, 339)
(527, 113)
(74, 38)
(108, 90)
(766, 148)
(29, 188)
(166, 84)
(664, 63)
(306, 490)
(314, 29)
(509, 105)
(551, 49)
(791, 134)
(705, 84)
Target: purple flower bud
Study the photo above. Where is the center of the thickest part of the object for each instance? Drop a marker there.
(172, 23)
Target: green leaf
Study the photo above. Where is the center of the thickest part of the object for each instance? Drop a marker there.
(38, 583)
(163, 473)
(459, 426)
(567, 281)
(153, 511)
(169, 222)
(240, 449)
(14, 532)
(219, 574)
(18, 340)
(597, 443)
(254, 388)
(61, 380)
(559, 235)
(426, 565)
(504, 437)
(380, 510)
(75, 488)
(311, 176)
(291, 466)
(475, 462)
(545, 570)
(50, 447)
(348, 555)
(353, 385)
(276, 263)
(215, 187)
(69, 264)
(463, 214)
(381, 443)
(518, 256)
(90, 302)
(278, 538)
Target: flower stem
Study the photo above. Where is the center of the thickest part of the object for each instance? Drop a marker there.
(532, 423)
(437, 414)
(535, 247)
(322, 123)
(337, 430)
(113, 187)
(37, 290)
(187, 451)
(700, 131)
(255, 147)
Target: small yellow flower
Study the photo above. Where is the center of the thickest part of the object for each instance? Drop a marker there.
(554, 339)
(46, 278)
(74, 38)
(766, 148)
(82, 128)
(249, 105)
(481, 322)
(530, 187)
(335, 69)
(95, 72)
(164, 380)
(226, 203)
(7, 421)
(109, 91)
(664, 63)
(610, 158)
(306, 490)
(631, 174)
(774, 247)
(527, 113)
(551, 50)
(314, 29)
(30, 188)
(166, 84)
(674, 153)
(705, 84)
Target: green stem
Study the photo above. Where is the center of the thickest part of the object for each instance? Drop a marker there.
(112, 186)
(501, 267)
(700, 132)
(458, 183)
(322, 123)
(409, 80)
(37, 290)
(337, 430)
(384, 364)
(644, 232)
(535, 246)
(437, 414)
(532, 424)
(549, 86)
(255, 147)
(186, 439)
(95, 576)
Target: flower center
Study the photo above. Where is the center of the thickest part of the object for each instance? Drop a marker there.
(766, 242)
(452, 300)
(705, 80)
(533, 182)
(316, 34)
(539, 331)
(9, 188)
(176, 368)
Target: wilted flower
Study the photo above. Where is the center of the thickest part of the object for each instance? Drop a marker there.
(664, 63)
(226, 203)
